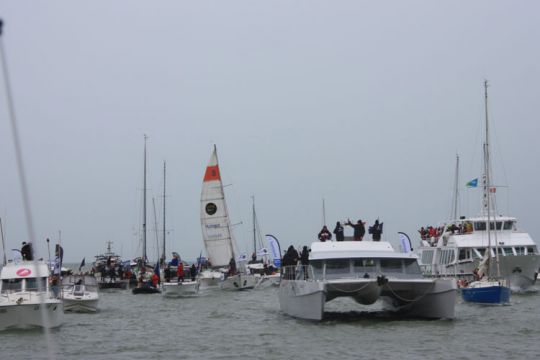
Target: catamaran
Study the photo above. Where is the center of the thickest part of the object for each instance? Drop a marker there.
(458, 250)
(218, 236)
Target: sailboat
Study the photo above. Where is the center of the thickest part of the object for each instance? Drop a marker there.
(144, 284)
(488, 289)
(217, 235)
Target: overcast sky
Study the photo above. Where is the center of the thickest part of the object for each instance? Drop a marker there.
(362, 103)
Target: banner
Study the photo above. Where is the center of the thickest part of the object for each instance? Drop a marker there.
(275, 249)
(405, 242)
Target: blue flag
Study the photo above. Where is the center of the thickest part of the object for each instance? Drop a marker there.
(473, 183)
(156, 269)
(82, 264)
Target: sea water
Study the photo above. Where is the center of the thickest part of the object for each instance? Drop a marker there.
(249, 325)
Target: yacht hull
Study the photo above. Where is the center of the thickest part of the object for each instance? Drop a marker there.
(302, 299)
(239, 282)
(81, 305)
(29, 315)
(489, 294)
(178, 289)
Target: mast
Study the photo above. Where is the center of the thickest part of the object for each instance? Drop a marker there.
(229, 228)
(3, 242)
(144, 203)
(163, 256)
(456, 191)
(254, 227)
(487, 181)
(155, 226)
(323, 213)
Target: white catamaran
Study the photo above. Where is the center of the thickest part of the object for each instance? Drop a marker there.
(218, 236)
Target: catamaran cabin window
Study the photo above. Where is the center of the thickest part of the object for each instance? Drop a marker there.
(463, 254)
(412, 267)
(508, 225)
(479, 253)
(391, 265)
(520, 250)
(36, 284)
(530, 251)
(492, 225)
(338, 267)
(317, 266)
(364, 265)
(11, 285)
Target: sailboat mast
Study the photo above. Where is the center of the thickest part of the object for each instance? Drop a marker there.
(163, 256)
(3, 242)
(323, 213)
(254, 227)
(156, 227)
(226, 212)
(144, 203)
(456, 191)
(487, 180)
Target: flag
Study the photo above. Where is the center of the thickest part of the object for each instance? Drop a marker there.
(156, 269)
(57, 266)
(492, 190)
(473, 183)
(262, 252)
(273, 244)
(82, 264)
(242, 257)
(405, 241)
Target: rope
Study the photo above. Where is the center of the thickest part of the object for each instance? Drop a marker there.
(410, 300)
(350, 291)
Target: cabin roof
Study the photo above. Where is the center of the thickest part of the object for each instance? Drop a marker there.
(24, 270)
(354, 249)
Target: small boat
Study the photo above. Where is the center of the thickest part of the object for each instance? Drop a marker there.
(486, 292)
(80, 294)
(365, 271)
(180, 288)
(26, 298)
(109, 270)
(145, 289)
(209, 278)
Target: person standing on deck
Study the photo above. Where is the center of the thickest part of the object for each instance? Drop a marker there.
(359, 229)
(325, 234)
(376, 230)
(339, 231)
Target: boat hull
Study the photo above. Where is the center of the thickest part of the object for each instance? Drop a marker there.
(489, 294)
(145, 290)
(265, 281)
(210, 278)
(81, 305)
(302, 299)
(178, 289)
(239, 282)
(28, 315)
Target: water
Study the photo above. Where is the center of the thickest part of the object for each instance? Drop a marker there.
(249, 325)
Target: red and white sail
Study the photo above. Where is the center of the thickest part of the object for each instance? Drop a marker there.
(216, 227)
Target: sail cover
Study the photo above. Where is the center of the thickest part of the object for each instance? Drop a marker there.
(216, 228)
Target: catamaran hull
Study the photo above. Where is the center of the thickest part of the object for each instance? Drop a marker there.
(239, 282)
(304, 300)
(26, 316)
(178, 289)
(432, 299)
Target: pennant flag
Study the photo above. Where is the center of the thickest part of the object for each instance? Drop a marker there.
(242, 257)
(405, 241)
(83, 262)
(275, 249)
(473, 183)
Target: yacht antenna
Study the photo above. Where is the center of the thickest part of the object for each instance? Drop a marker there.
(3, 242)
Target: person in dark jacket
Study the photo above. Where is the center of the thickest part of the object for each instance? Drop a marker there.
(359, 229)
(339, 231)
(325, 234)
(376, 230)
(304, 260)
(193, 272)
(26, 251)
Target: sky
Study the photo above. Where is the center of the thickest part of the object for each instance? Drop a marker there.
(363, 104)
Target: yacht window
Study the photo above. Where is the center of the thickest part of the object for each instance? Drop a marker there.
(501, 251)
(9, 285)
(391, 265)
(479, 225)
(338, 267)
(479, 252)
(520, 250)
(412, 267)
(530, 251)
(508, 225)
(364, 265)
(36, 284)
(492, 225)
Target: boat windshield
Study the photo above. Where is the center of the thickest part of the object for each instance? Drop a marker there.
(11, 285)
(36, 284)
(362, 267)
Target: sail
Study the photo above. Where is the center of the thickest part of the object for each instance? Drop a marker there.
(216, 228)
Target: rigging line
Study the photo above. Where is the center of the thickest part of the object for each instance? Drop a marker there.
(22, 177)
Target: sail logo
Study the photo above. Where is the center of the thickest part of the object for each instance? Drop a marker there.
(23, 272)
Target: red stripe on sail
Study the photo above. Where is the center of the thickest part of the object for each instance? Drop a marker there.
(212, 173)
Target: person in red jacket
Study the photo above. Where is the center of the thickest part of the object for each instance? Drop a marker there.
(180, 272)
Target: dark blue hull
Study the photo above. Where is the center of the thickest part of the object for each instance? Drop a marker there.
(486, 295)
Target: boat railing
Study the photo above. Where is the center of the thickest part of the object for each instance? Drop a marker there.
(298, 272)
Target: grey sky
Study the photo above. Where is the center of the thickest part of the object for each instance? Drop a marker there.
(362, 103)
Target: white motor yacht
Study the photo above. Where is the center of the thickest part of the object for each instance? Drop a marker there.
(80, 294)
(26, 299)
(366, 271)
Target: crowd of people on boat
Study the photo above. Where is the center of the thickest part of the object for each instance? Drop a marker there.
(359, 231)
(432, 234)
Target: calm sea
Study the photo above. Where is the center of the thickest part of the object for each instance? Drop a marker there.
(249, 325)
